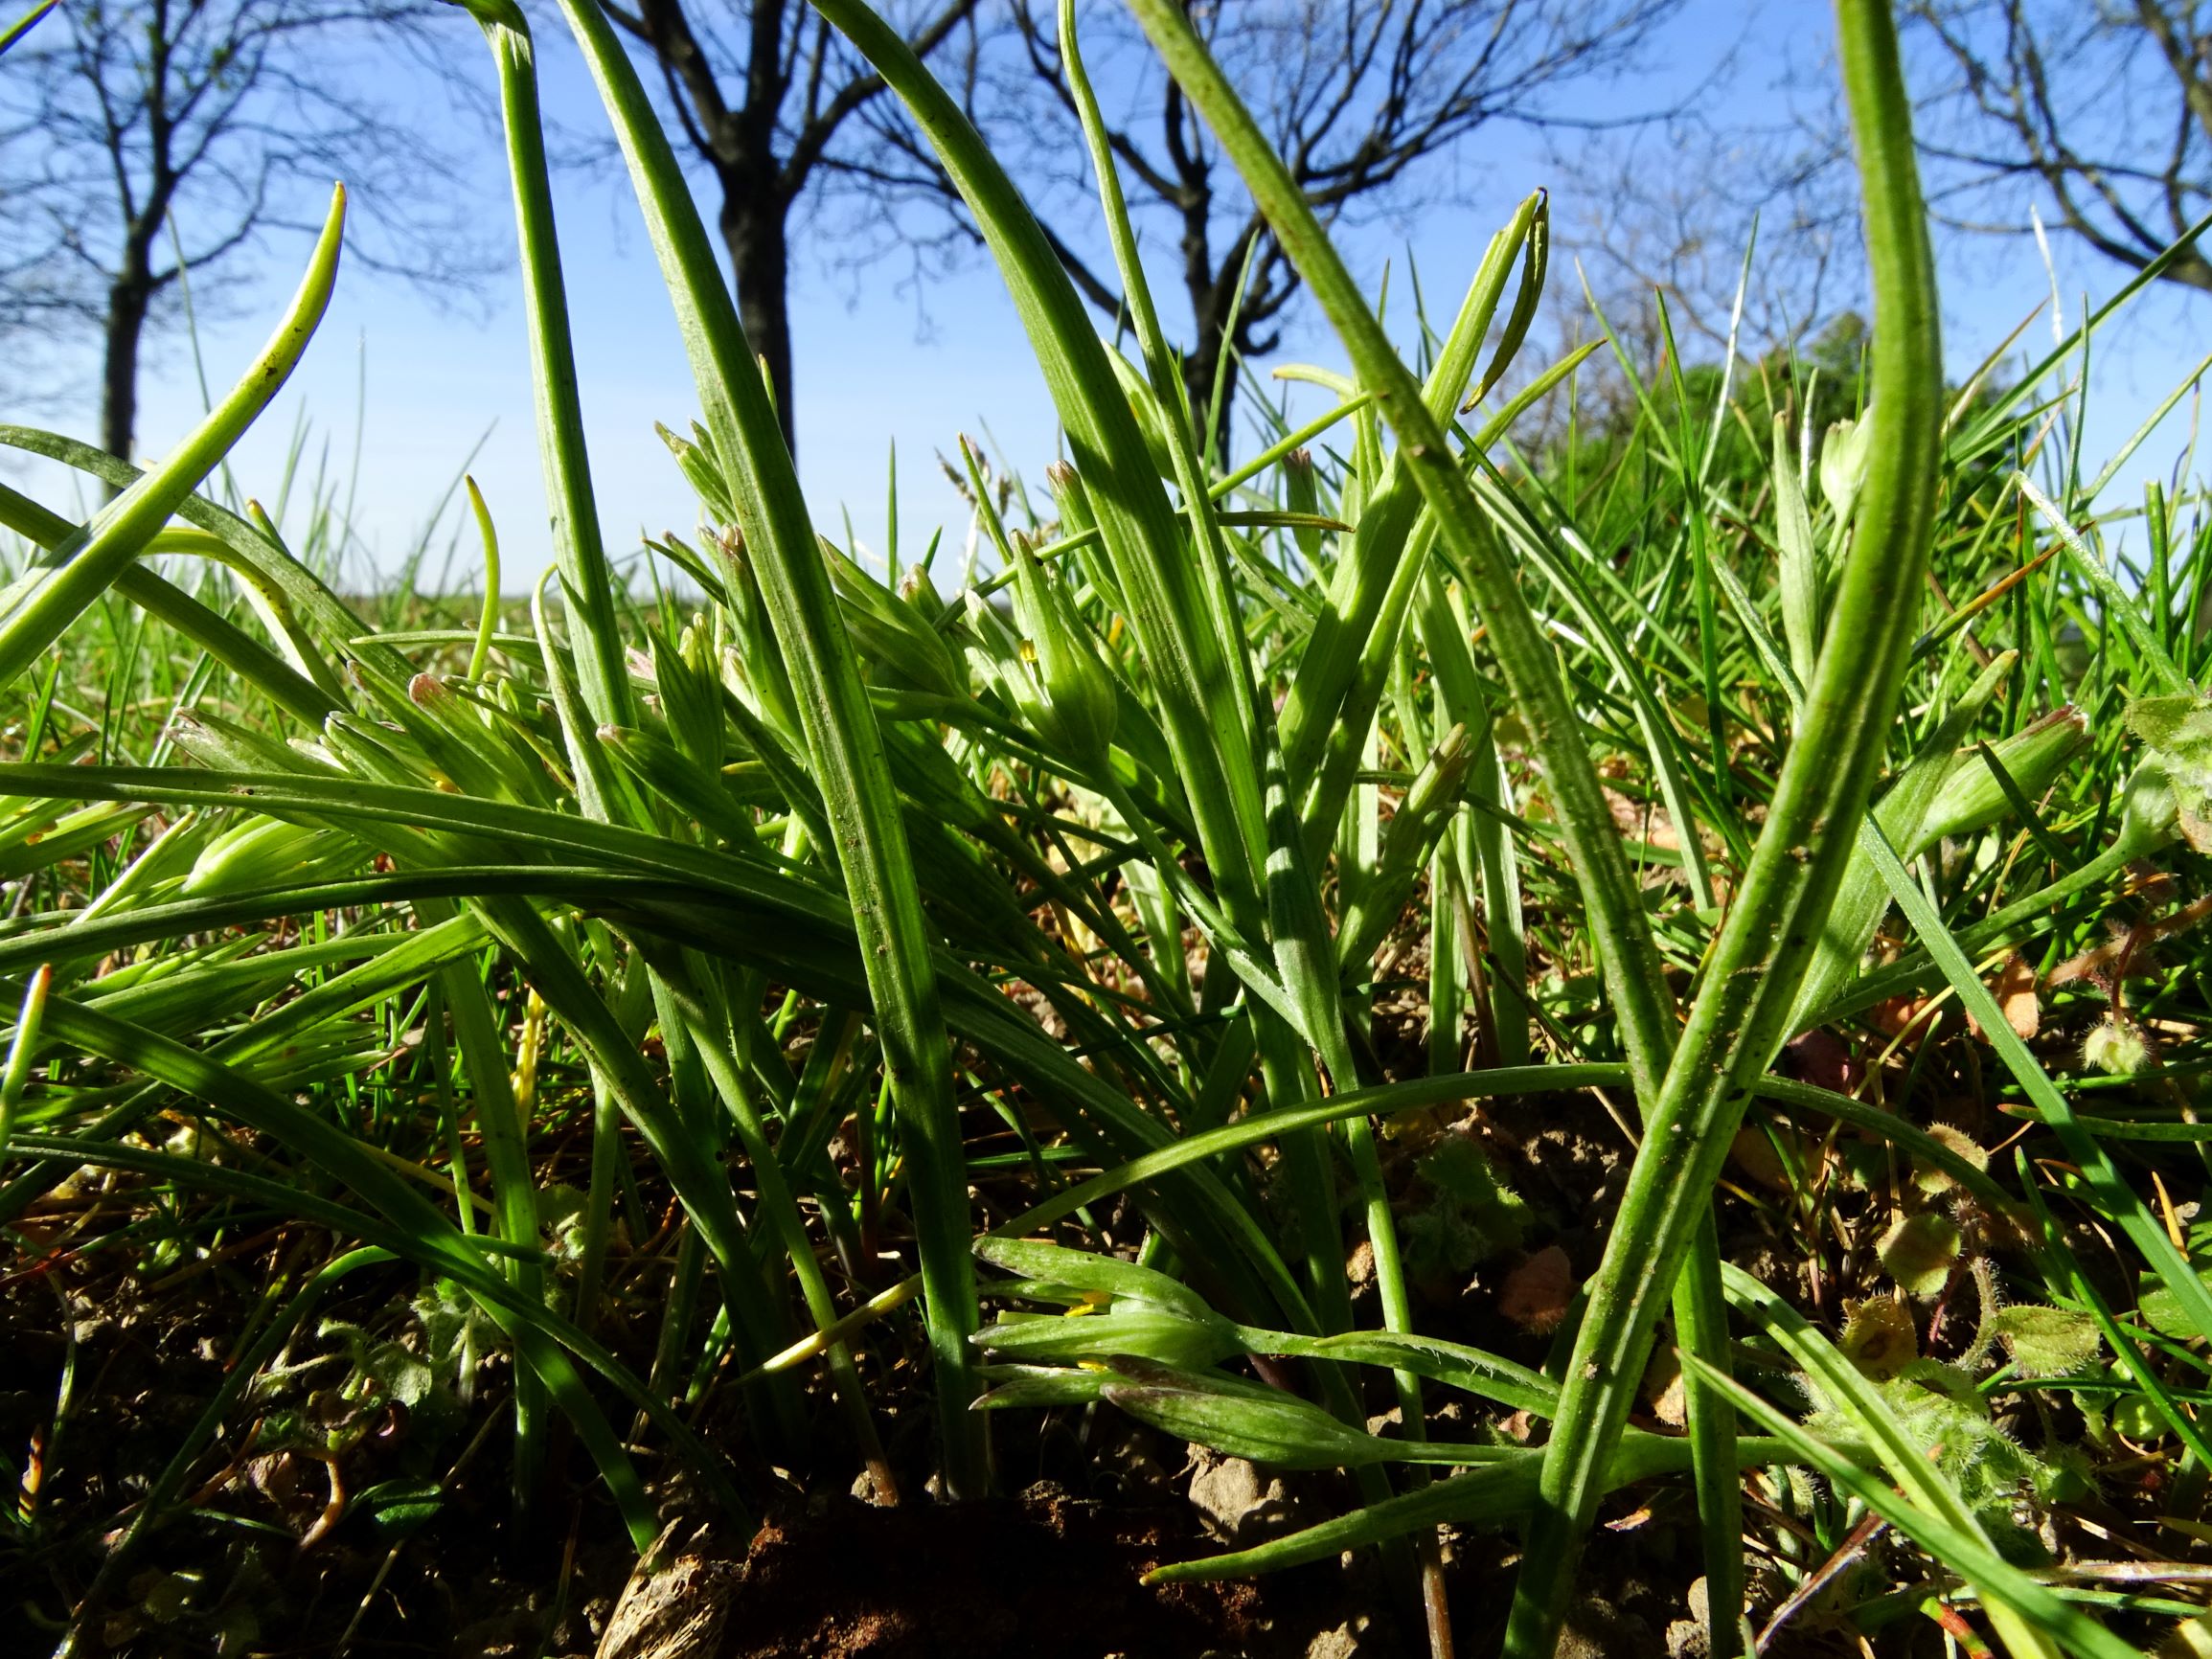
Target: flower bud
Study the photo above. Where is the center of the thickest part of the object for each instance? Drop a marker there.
(916, 589)
(691, 694)
(1079, 523)
(1072, 498)
(697, 460)
(1302, 493)
(1088, 1272)
(1843, 461)
(1970, 798)
(2150, 811)
(900, 640)
(1116, 1309)
(753, 650)
(1150, 417)
(1070, 702)
(268, 852)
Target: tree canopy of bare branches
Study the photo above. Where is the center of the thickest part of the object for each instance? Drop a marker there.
(2098, 111)
(147, 144)
(769, 96)
(1370, 104)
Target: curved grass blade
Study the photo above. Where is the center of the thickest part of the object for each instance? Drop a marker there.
(1766, 946)
(44, 603)
(588, 587)
(153, 593)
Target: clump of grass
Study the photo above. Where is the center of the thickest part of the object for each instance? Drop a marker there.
(1161, 937)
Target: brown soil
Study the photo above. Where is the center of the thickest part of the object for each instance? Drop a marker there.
(1045, 1576)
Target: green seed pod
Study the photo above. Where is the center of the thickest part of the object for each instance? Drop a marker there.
(1242, 1419)
(1072, 703)
(1535, 263)
(1970, 798)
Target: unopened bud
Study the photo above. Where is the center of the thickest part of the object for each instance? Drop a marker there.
(1970, 798)
(1302, 493)
(1843, 461)
(266, 853)
(697, 461)
(1150, 417)
(917, 589)
(1071, 703)
(1074, 500)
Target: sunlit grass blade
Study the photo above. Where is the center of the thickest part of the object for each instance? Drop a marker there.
(870, 844)
(39, 607)
(1773, 925)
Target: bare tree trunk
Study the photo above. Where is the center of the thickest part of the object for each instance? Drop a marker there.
(1211, 364)
(755, 230)
(129, 297)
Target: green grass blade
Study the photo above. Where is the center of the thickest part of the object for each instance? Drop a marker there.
(869, 841)
(42, 605)
(588, 587)
(2118, 1199)
(1774, 927)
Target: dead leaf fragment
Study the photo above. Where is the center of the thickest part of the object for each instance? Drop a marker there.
(1536, 1293)
(2014, 985)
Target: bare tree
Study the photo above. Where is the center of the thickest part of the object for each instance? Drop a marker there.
(145, 144)
(768, 95)
(1368, 104)
(1740, 229)
(2094, 114)
(2098, 111)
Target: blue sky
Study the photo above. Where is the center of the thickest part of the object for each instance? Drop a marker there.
(433, 382)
